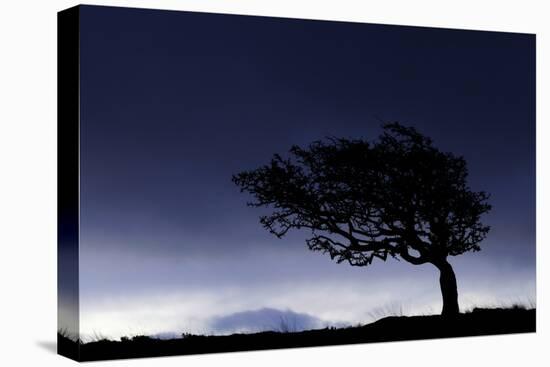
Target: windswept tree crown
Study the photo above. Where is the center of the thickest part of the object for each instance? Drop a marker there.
(398, 196)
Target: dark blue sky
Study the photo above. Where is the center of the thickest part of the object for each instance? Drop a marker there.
(174, 103)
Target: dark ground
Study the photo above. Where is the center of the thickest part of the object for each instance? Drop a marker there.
(475, 323)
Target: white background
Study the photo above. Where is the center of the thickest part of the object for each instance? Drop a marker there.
(28, 182)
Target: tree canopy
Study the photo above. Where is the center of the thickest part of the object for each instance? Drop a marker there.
(395, 197)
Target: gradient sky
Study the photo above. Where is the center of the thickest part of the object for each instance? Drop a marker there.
(174, 103)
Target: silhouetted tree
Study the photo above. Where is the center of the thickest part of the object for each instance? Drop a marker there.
(396, 197)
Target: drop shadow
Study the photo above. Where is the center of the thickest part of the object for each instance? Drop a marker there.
(48, 345)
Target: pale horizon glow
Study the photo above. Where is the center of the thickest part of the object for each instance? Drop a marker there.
(357, 295)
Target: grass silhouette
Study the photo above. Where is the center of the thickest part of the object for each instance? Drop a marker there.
(477, 322)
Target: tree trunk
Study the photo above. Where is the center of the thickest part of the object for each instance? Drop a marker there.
(449, 291)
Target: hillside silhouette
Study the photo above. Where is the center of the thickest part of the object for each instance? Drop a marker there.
(394, 328)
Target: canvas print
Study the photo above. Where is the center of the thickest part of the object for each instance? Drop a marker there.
(232, 183)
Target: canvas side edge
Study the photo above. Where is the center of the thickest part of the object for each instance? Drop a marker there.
(68, 120)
